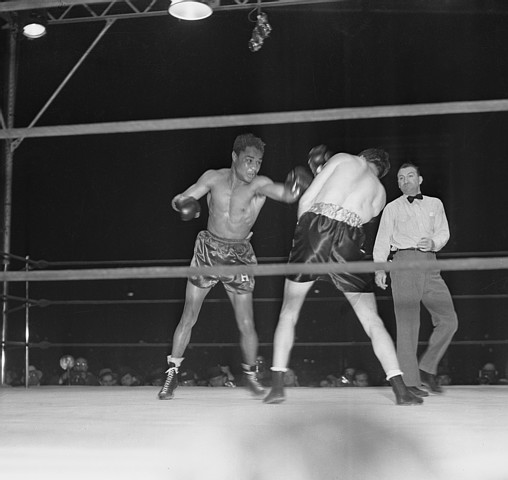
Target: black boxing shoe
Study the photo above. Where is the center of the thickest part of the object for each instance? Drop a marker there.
(276, 394)
(167, 390)
(251, 380)
(418, 392)
(403, 395)
(429, 380)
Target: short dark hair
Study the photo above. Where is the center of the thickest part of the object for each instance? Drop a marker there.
(248, 140)
(408, 165)
(379, 158)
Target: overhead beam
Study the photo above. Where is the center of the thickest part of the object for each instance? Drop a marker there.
(17, 5)
(78, 11)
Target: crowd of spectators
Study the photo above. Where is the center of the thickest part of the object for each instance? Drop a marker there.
(76, 371)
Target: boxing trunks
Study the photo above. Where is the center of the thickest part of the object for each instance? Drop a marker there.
(328, 233)
(210, 250)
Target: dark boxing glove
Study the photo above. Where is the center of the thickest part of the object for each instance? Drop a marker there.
(318, 156)
(297, 181)
(188, 207)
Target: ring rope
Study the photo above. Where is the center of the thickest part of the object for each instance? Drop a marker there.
(44, 302)
(497, 263)
(302, 116)
(45, 344)
(45, 264)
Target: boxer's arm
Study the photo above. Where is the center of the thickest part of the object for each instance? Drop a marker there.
(276, 191)
(197, 190)
(297, 181)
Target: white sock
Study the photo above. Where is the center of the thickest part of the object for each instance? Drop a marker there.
(176, 360)
(278, 369)
(393, 373)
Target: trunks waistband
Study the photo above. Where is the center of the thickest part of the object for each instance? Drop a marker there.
(228, 240)
(336, 212)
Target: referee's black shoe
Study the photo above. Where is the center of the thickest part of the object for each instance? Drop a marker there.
(429, 380)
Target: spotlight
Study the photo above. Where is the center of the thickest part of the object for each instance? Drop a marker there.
(256, 41)
(34, 25)
(190, 9)
(263, 26)
(261, 32)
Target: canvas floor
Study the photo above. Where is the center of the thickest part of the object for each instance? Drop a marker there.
(224, 433)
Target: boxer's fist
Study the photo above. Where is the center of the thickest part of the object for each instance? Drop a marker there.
(188, 207)
(318, 156)
(297, 181)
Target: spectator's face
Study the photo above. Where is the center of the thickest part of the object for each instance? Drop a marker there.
(361, 380)
(33, 378)
(108, 380)
(81, 365)
(127, 380)
(489, 373)
(260, 364)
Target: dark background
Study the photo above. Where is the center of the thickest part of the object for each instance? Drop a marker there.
(107, 198)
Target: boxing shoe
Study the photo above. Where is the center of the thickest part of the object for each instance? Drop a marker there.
(429, 380)
(403, 395)
(276, 394)
(418, 392)
(166, 392)
(251, 380)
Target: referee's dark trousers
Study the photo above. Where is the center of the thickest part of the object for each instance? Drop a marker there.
(410, 288)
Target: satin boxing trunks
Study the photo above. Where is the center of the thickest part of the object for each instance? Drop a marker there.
(210, 250)
(328, 233)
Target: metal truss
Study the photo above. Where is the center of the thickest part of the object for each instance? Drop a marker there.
(73, 11)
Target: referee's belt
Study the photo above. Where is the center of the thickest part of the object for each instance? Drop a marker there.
(414, 249)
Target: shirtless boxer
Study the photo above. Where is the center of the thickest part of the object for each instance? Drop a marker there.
(235, 196)
(345, 194)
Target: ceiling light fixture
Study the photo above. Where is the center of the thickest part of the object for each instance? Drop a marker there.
(34, 25)
(190, 9)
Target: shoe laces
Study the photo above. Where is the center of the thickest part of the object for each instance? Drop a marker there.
(171, 371)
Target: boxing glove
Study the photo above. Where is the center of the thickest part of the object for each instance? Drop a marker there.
(318, 156)
(188, 207)
(297, 181)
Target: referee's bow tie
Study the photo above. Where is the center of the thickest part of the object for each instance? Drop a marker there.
(411, 198)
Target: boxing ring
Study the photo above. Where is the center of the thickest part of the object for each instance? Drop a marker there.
(58, 432)
(212, 433)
